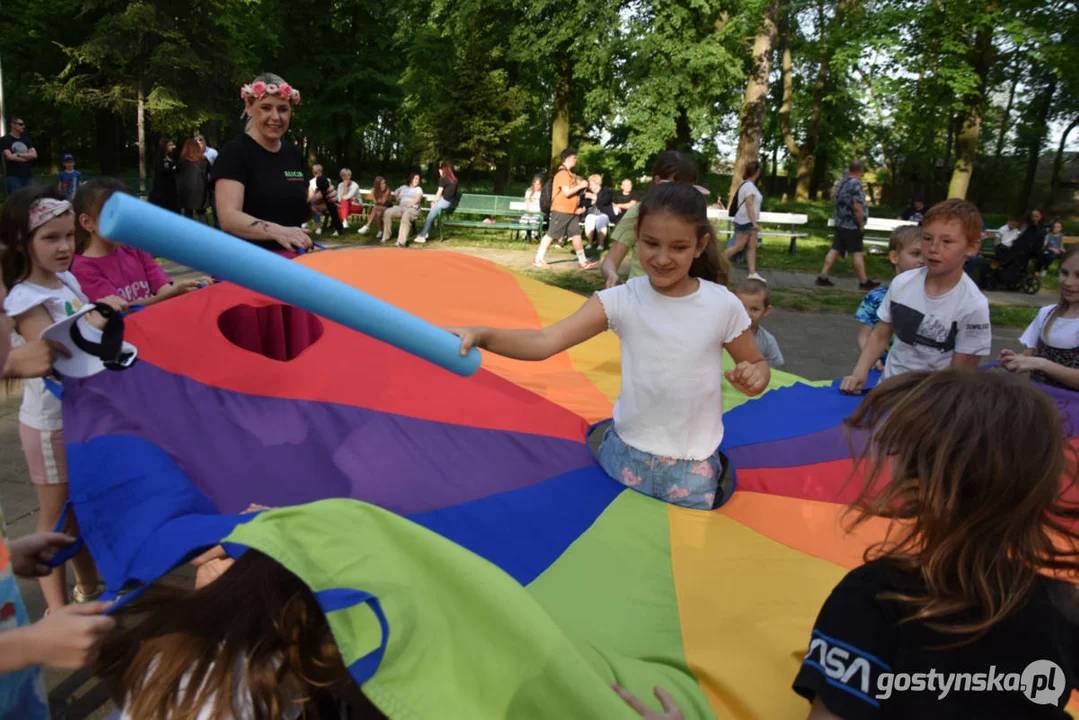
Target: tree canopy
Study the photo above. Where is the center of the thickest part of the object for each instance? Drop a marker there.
(954, 98)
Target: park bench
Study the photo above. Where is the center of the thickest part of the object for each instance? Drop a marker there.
(883, 227)
(791, 221)
(367, 203)
(472, 209)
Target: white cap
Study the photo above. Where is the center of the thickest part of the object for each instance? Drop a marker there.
(86, 344)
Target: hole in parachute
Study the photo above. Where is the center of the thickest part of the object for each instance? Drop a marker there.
(279, 332)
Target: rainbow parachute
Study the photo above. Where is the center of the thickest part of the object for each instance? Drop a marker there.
(492, 569)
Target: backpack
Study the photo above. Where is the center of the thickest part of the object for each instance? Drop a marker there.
(738, 200)
(545, 197)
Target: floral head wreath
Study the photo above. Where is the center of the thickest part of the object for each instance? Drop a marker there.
(259, 90)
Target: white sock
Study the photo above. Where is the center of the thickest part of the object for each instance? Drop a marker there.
(581, 258)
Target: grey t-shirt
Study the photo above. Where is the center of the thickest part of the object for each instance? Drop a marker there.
(766, 343)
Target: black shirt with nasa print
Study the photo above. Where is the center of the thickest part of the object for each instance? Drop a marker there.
(863, 663)
(275, 183)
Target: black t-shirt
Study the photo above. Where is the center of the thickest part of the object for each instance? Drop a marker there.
(275, 184)
(449, 190)
(17, 145)
(914, 214)
(605, 203)
(620, 198)
(864, 664)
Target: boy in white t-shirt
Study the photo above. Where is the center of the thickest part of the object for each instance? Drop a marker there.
(939, 316)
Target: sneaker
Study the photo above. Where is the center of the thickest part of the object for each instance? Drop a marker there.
(824, 282)
(365, 228)
(590, 265)
(335, 234)
(401, 245)
(755, 276)
(421, 239)
(318, 231)
(345, 224)
(541, 264)
(380, 238)
(868, 284)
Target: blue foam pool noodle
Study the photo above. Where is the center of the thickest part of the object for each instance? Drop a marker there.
(128, 220)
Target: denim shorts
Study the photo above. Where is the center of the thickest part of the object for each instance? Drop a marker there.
(743, 227)
(699, 484)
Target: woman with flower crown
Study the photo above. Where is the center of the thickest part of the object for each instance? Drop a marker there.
(261, 185)
(260, 180)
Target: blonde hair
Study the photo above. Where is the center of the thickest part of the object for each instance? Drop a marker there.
(598, 179)
(345, 171)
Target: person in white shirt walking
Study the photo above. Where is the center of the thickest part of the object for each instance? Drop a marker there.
(747, 213)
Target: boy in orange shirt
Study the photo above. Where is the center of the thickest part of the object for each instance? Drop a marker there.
(565, 194)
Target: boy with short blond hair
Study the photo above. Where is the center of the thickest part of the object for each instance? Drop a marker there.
(905, 253)
(939, 316)
(754, 296)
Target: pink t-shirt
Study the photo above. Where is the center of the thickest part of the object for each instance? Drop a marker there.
(129, 273)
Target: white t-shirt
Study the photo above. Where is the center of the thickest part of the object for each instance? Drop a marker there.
(1064, 334)
(1007, 235)
(672, 365)
(748, 190)
(929, 330)
(41, 409)
(406, 195)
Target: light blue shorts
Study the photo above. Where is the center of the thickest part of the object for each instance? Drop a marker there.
(699, 484)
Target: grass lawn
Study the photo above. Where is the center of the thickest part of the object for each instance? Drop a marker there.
(841, 301)
(772, 255)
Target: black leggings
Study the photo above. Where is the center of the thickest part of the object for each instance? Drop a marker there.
(334, 217)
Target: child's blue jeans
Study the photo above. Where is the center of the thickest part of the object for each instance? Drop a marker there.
(689, 483)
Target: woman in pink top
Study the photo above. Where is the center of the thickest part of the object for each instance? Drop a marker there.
(104, 268)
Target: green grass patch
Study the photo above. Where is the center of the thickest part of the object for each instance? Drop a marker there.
(845, 302)
(1012, 315)
(582, 283)
(816, 300)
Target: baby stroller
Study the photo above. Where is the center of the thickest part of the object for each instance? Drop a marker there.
(1014, 268)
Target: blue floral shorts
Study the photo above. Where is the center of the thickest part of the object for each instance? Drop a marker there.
(689, 483)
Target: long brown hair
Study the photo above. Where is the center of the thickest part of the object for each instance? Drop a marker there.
(15, 236)
(1062, 304)
(257, 626)
(380, 190)
(192, 151)
(686, 202)
(980, 466)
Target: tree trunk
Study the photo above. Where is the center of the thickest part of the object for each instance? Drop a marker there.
(1040, 128)
(774, 168)
(502, 172)
(683, 139)
(1058, 164)
(560, 122)
(1002, 133)
(752, 116)
(141, 110)
(805, 153)
(966, 143)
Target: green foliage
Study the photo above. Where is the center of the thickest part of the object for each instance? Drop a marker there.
(391, 85)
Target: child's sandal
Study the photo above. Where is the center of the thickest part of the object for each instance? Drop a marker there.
(82, 598)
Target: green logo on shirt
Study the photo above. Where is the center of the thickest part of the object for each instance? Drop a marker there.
(293, 174)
